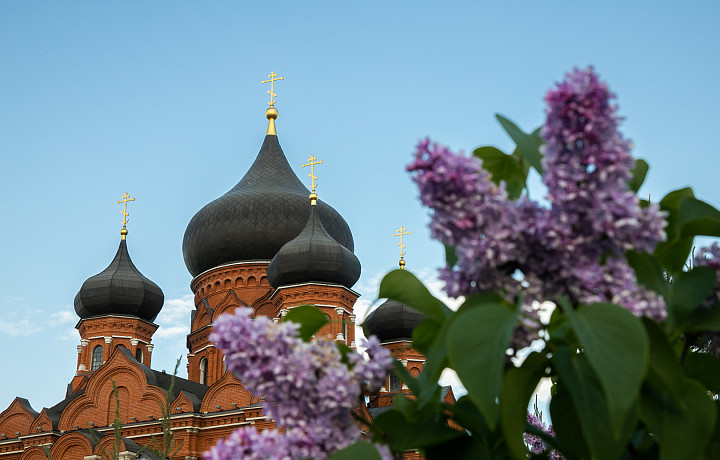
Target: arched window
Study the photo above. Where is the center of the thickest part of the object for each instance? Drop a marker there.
(344, 329)
(203, 371)
(138, 354)
(395, 383)
(96, 357)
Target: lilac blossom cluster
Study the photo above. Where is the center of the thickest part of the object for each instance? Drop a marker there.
(576, 246)
(309, 392)
(534, 443)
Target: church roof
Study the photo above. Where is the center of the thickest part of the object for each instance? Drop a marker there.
(313, 256)
(393, 321)
(265, 210)
(119, 289)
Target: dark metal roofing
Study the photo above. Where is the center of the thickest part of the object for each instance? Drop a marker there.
(119, 289)
(55, 411)
(313, 256)
(265, 210)
(393, 321)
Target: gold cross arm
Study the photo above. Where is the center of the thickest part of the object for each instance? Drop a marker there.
(124, 201)
(401, 232)
(272, 79)
(313, 179)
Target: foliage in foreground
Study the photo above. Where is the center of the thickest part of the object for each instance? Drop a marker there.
(627, 380)
(626, 346)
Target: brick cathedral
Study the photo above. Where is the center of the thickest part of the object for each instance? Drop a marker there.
(268, 244)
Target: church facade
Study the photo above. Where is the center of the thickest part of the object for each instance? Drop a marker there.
(268, 244)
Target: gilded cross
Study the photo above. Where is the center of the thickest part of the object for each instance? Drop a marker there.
(125, 200)
(272, 81)
(401, 232)
(312, 176)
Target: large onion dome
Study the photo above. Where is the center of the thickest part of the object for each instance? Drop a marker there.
(119, 289)
(265, 210)
(313, 256)
(393, 321)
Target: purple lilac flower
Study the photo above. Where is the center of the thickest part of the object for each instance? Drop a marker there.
(576, 246)
(534, 443)
(594, 214)
(308, 390)
(473, 214)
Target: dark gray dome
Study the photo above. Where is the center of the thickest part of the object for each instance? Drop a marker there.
(119, 289)
(313, 256)
(393, 321)
(265, 210)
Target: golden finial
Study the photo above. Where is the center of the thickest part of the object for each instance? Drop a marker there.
(124, 201)
(271, 113)
(401, 232)
(313, 178)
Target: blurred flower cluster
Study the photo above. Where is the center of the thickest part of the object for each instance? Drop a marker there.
(534, 443)
(575, 245)
(309, 392)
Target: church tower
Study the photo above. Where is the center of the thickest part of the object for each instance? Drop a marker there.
(117, 308)
(230, 242)
(393, 324)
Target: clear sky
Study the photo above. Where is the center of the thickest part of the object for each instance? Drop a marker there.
(163, 100)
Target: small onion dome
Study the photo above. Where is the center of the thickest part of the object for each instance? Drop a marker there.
(119, 289)
(313, 256)
(393, 321)
(265, 210)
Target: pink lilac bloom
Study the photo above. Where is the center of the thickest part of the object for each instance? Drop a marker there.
(534, 443)
(308, 390)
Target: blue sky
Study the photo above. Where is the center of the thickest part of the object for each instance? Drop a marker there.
(163, 100)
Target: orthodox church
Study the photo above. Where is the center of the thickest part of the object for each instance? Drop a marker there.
(269, 244)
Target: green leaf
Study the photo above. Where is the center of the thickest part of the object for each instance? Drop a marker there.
(673, 252)
(467, 415)
(425, 334)
(591, 406)
(664, 370)
(517, 389)
(696, 217)
(403, 286)
(477, 339)
(502, 167)
(705, 368)
(358, 449)
(688, 291)
(527, 144)
(401, 434)
(568, 431)
(682, 430)
(450, 256)
(436, 361)
(638, 174)
(309, 318)
(345, 352)
(617, 348)
(466, 447)
(405, 376)
(648, 271)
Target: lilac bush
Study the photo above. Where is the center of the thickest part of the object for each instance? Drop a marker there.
(575, 246)
(308, 390)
